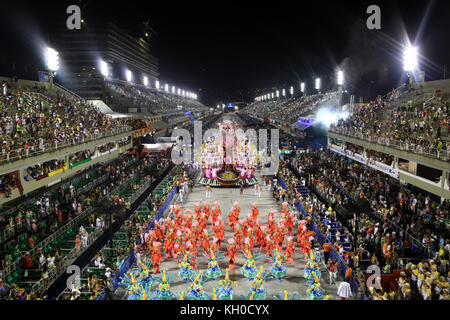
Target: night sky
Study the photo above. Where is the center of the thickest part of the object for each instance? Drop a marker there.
(226, 51)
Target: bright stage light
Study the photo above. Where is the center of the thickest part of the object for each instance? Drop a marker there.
(302, 87)
(157, 84)
(166, 87)
(283, 92)
(179, 91)
(410, 59)
(128, 75)
(326, 117)
(145, 81)
(104, 68)
(52, 59)
(183, 93)
(278, 93)
(272, 95)
(291, 90)
(318, 84)
(173, 89)
(340, 77)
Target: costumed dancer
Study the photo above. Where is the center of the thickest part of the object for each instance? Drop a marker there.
(278, 269)
(163, 291)
(231, 253)
(290, 247)
(197, 292)
(258, 291)
(186, 269)
(315, 291)
(225, 291)
(249, 269)
(285, 296)
(213, 270)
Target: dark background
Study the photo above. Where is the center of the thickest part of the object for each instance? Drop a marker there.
(227, 50)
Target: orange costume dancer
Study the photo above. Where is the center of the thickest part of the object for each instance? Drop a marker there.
(231, 220)
(269, 245)
(231, 253)
(255, 211)
(197, 211)
(188, 219)
(238, 236)
(290, 247)
(271, 222)
(156, 256)
(290, 223)
(206, 210)
(158, 231)
(205, 241)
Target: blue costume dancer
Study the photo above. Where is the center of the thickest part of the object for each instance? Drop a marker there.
(249, 269)
(278, 269)
(225, 291)
(197, 292)
(213, 271)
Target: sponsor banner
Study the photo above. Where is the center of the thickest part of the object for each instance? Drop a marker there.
(372, 163)
(50, 174)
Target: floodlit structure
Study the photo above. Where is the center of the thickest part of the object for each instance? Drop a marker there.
(340, 77)
(410, 59)
(104, 69)
(318, 84)
(52, 59)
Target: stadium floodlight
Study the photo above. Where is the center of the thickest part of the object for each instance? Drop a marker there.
(183, 93)
(166, 87)
(278, 93)
(272, 95)
(318, 84)
(291, 90)
(283, 92)
(104, 68)
(410, 59)
(302, 87)
(52, 59)
(157, 84)
(128, 73)
(340, 77)
(173, 89)
(145, 81)
(179, 91)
